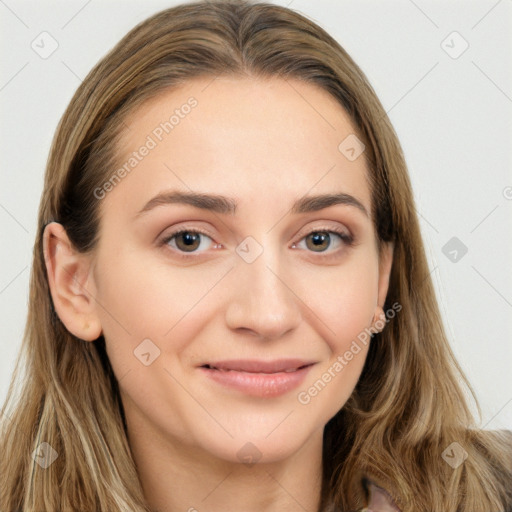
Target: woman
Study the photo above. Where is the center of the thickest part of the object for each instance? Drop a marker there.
(230, 303)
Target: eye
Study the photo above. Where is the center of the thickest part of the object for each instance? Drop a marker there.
(320, 241)
(187, 240)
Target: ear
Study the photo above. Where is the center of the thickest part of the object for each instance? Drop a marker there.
(385, 263)
(71, 283)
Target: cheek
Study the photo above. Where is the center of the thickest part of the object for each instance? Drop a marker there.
(150, 301)
(343, 299)
(344, 303)
(157, 301)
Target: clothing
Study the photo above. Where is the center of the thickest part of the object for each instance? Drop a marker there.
(379, 500)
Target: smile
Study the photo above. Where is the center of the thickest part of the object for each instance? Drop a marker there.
(258, 378)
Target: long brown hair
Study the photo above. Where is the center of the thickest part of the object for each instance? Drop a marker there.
(410, 402)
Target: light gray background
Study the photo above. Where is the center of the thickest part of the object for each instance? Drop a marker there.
(452, 115)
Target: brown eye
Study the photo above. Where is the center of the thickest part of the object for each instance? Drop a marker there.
(318, 241)
(328, 241)
(187, 241)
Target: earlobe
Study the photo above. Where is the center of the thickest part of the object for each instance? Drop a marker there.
(71, 284)
(379, 319)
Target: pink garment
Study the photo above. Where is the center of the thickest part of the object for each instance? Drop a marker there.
(380, 500)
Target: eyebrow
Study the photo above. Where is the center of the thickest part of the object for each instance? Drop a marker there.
(226, 205)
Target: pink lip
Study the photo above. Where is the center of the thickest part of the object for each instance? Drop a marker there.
(259, 378)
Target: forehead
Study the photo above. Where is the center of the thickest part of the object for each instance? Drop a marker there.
(265, 141)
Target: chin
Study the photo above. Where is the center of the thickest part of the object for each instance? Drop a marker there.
(253, 444)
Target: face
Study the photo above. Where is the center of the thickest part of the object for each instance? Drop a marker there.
(230, 321)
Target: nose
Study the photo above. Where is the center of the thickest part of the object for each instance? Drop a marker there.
(263, 302)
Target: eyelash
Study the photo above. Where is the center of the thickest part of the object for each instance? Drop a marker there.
(348, 240)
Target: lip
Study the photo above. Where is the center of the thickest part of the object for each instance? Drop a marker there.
(259, 378)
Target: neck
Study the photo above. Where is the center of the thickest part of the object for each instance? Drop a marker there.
(181, 478)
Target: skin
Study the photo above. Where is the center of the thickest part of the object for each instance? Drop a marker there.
(265, 144)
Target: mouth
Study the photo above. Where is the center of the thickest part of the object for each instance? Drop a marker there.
(258, 378)
(285, 370)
